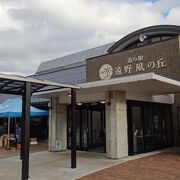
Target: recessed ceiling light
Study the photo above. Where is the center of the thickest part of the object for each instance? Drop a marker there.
(79, 104)
(102, 102)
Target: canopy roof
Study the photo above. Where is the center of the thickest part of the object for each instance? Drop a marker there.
(14, 84)
(13, 108)
(148, 83)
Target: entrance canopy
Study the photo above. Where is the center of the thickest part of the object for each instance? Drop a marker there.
(148, 83)
(14, 84)
(12, 108)
(26, 86)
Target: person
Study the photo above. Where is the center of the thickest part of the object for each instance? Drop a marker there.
(18, 134)
(3, 137)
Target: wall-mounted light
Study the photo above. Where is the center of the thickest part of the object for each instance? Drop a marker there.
(79, 104)
(69, 94)
(108, 103)
(142, 37)
(49, 106)
(102, 102)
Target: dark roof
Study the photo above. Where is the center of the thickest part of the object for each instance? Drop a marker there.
(34, 99)
(168, 30)
(75, 75)
(68, 61)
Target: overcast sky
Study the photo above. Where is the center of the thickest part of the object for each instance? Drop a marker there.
(33, 31)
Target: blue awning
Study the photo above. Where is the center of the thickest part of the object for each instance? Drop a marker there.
(13, 108)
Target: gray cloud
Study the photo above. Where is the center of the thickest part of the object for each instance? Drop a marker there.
(34, 31)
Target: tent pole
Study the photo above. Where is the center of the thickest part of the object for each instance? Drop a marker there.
(8, 147)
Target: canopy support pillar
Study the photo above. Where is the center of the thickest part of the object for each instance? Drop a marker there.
(22, 128)
(73, 128)
(26, 130)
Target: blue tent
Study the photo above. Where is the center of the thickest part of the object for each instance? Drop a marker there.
(12, 108)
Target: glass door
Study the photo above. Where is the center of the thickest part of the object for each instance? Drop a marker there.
(137, 122)
(164, 119)
(167, 127)
(78, 129)
(157, 121)
(97, 136)
(84, 129)
(90, 129)
(148, 128)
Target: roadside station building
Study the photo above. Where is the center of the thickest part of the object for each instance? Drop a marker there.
(128, 102)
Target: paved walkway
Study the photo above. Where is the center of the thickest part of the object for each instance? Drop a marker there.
(164, 166)
(56, 166)
(14, 152)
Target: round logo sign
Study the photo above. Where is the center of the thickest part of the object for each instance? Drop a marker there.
(106, 71)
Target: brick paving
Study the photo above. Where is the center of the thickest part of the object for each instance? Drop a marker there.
(163, 166)
(14, 152)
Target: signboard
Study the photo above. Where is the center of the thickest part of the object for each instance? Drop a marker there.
(162, 58)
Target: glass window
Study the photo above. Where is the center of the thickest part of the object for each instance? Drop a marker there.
(157, 127)
(166, 37)
(155, 39)
(84, 129)
(148, 128)
(137, 129)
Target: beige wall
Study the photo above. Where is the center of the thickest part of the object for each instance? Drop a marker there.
(57, 126)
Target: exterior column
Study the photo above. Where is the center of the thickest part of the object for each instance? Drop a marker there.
(26, 103)
(116, 125)
(57, 126)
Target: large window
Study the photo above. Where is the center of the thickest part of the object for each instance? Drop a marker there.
(149, 126)
(149, 40)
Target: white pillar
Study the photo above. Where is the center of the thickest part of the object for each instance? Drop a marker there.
(116, 125)
(57, 126)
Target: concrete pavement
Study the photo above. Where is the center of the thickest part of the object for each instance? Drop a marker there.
(56, 166)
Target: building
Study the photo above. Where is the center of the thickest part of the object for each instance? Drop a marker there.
(128, 102)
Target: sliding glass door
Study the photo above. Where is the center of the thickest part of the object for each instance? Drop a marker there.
(137, 129)
(149, 126)
(90, 133)
(157, 128)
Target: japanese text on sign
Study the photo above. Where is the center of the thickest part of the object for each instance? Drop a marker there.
(138, 65)
(134, 64)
